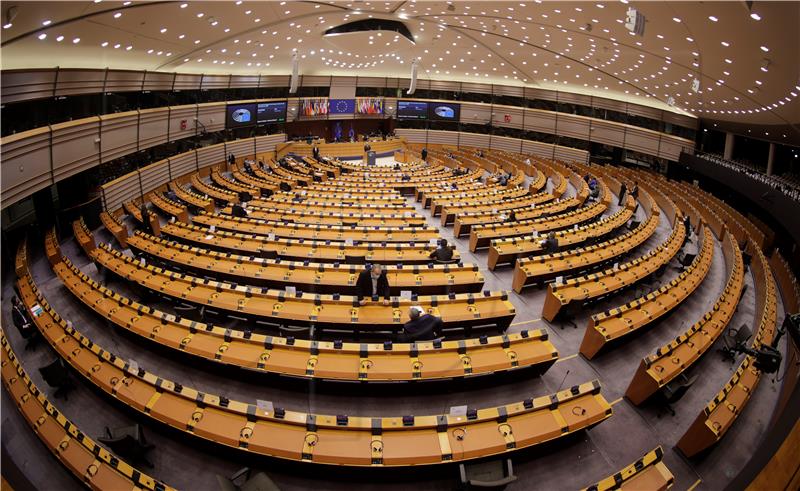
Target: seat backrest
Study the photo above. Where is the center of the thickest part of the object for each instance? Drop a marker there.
(225, 484)
(55, 374)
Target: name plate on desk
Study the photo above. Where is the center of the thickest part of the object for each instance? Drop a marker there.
(291, 290)
(406, 294)
(348, 242)
(458, 411)
(265, 406)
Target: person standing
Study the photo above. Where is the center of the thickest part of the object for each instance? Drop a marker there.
(424, 154)
(622, 190)
(372, 282)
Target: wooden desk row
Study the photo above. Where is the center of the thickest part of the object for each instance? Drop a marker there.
(118, 229)
(426, 195)
(332, 218)
(670, 360)
(544, 267)
(132, 209)
(507, 251)
(305, 276)
(465, 221)
(335, 360)
(83, 236)
(302, 250)
(648, 473)
(310, 202)
(789, 286)
(604, 283)
(265, 185)
(90, 463)
(319, 438)
(168, 207)
(721, 412)
(317, 231)
(450, 213)
(223, 183)
(465, 199)
(220, 195)
(613, 324)
(459, 311)
(481, 236)
(191, 198)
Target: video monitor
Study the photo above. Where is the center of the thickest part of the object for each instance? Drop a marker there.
(271, 112)
(444, 111)
(412, 110)
(240, 115)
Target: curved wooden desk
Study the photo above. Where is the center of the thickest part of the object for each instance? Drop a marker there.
(318, 438)
(460, 311)
(648, 473)
(303, 250)
(90, 463)
(308, 277)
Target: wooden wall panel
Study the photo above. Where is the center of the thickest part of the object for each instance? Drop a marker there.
(188, 81)
(183, 164)
(214, 154)
(119, 134)
(25, 167)
(573, 126)
(158, 81)
(215, 81)
(182, 114)
(607, 133)
(472, 140)
(245, 147)
(80, 81)
(23, 85)
(509, 90)
(154, 175)
(267, 143)
(411, 135)
(274, 81)
(516, 116)
(211, 115)
(641, 140)
(506, 144)
(474, 113)
(153, 127)
(444, 137)
(244, 81)
(76, 147)
(122, 189)
(445, 85)
(315, 81)
(124, 81)
(538, 149)
(541, 121)
(570, 154)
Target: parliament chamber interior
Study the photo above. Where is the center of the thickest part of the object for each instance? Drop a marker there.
(335, 245)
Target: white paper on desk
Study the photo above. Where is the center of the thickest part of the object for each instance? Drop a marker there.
(575, 227)
(212, 228)
(348, 242)
(535, 233)
(291, 290)
(37, 310)
(171, 219)
(408, 214)
(616, 266)
(265, 406)
(559, 280)
(433, 242)
(270, 236)
(458, 411)
(405, 294)
(133, 365)
(142, 261)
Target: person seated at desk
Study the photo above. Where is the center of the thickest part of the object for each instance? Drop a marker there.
(238, 211)
(396, 166)
(453, 185)
(170, 195)
(503, 180)
(315, 152)
(510, 217)
(372, 282)
(421, 326)
(550, 244)
(405, 178)
(247, 168)
(148, 228)
(442, 253)
(635, 190)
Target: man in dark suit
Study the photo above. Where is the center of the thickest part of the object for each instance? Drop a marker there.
(622, 190)
(442, 253)
(424, 154)
(238, 211)
(372, 282)
(421, 326)
(550, 244)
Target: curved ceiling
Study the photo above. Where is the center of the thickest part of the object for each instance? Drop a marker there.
(745, 54)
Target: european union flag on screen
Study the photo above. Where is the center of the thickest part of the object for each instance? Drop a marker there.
(342, 106)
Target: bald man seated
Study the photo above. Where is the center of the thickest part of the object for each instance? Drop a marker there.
(421, 326)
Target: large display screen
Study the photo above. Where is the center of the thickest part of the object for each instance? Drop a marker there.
(271, 112)
(444, 111)
(342, 106)
(239, 115)
(412, 110)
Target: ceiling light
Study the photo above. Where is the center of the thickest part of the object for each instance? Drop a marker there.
(200, 15)
(76, 40)
(118, 15)
(104, 44)
(725, 43)
(6, 26)
(47, 22)
(755, 16)
(676, 19)
(163, 30)
(712, 18)
(765, 49)
(116, 46)
(42, 36)
(60, 38)
(184, 5)
(728, 61)
(182, 36)
(128, 48)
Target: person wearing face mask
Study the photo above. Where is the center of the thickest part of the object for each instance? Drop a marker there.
(372, 282)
